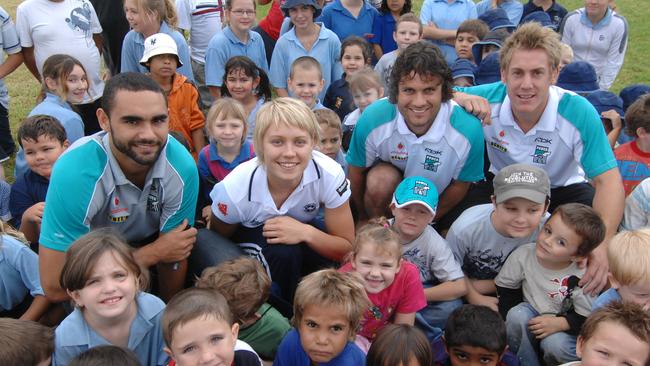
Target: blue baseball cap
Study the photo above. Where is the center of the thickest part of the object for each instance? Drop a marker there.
(288, 4)
(540, 17)
(604, 100)
(416, 189)
(462, 68)
(578, 77)
(497, 18)
(488, 71)
(631, 93)
(495, 38)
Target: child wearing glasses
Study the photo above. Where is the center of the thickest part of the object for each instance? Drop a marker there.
(538, 286)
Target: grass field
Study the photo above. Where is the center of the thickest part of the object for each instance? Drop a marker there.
(23, 88)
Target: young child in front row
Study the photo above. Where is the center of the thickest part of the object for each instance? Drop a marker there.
(161, 59)
(106, 285)
(408, 30)
(246, 287)
(393, 285)
(355, 56)
(328, 307)
(199, 329)
(484, 236)
(414, 206)
(366, 87)
(469, 32)
(228, 147)
(42, 139)
(25, 342)
(628, 254)
(538, 286)
(475, 335)
(306, 81)
(618, 334)
(331, 135)
(400, 344)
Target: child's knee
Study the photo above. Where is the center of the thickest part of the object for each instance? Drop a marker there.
(519, 315)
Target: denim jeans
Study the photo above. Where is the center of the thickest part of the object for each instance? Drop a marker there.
(558, 348)
(432, 319)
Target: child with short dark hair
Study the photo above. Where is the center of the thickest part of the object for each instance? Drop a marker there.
(107, 355)
(328, 308)
(633, 157)
(42, 139)
(469, 32)
(355, 56)
(162, 60)
(475, 334)
(538, 286)
(25, 342)
(408, 30)
(400, 344)
(383, 27)
(246, 287)
(306, 81)
(618, 334)
(198, 326)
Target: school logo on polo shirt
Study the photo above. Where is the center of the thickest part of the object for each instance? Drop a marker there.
(310, 207)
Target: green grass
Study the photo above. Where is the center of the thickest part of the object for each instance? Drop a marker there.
(23, 88)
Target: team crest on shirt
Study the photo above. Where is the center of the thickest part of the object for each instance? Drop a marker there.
(310, 207)
(400, 154)
(153, 201)
(431, 163)
(541, 154)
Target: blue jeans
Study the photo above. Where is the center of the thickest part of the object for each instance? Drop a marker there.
(558, 348)
(432, 319)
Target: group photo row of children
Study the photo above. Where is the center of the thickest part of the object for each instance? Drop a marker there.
(341, 183)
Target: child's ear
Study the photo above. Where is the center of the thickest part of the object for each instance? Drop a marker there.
(381, 92)
(393, 208)
(168, 352)
(66, 144)
(74, 295)
(51, 84)
(394, 36)
(322, 84)
(580, 343)
(493, 198)
(235, 330)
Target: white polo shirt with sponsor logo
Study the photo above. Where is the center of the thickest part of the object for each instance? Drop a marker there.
(452, 149)
(243, 197)
(568, 141)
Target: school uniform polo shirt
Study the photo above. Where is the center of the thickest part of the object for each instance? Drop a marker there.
(225, 45)
(568, 141)
(74, 336)
(382, 30)
(340, 21)
(452, 149)
(447, 15)
(513, 8)
(243, 197)
(18, 273)
(10, 44)
(557, 12)
(88, 190)
(326, 49)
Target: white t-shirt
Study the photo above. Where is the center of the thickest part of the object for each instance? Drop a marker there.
(637, 207)
(203, 18)
(65, 27)
(243, 197)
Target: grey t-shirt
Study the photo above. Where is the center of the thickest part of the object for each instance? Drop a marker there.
(431, 254)
(543, 288)
(478, 247)
(384, 67)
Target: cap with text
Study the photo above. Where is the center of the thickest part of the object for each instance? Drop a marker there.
(416, 190)
(523, 181)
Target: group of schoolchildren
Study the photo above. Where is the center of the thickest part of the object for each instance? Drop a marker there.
(500, 288)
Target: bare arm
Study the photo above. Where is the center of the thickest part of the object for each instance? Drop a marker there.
(198, 137)
(281, 92)
(404, 318)
(431, 31)
(37, 309)
(30, 62)
(10, 64)
(446, 291)
(454, 193)
(475, 297)
(50, 264)
(377, 50)
(99, 42)
(357, 176)
(218, 226)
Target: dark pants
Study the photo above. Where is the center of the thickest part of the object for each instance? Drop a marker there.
(88, 113)
(115, 27)
(7, 145)
(269, 43)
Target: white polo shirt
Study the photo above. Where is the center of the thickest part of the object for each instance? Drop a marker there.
(452, 149)
(568, 141)
(243, 197)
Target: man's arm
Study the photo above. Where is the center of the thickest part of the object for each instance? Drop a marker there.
(357, 177)
(50, 264)
(30, 62)
(10, 64)
(281, 92)
(452, 195)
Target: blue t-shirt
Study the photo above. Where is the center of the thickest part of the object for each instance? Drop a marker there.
(447, 15)
(382, 32)
(291, 353)
(18, 272)
(340, 21)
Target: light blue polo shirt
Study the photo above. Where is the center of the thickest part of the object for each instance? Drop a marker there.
(452, 149)
(133, 49)
(74, 336)
(10, 44)
(340, 21)
(18, 272)
(568, 141)
(513, 8)
(225, 45)
(89, 190)
(326, 49)
(447, 16)
(55, 107)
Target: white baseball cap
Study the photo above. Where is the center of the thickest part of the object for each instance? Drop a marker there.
(159, 44)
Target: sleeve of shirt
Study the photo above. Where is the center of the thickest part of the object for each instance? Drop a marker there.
(204, 169)
(470, 127)
(512, 272)
(27, 265)
(413, 294)
(263, 62)
(637, 207)
(184, 16)
(376, 29)
(130, 60)
(181, 202)
(615, 55)
(197, 120)
(444, 266)
(426, 14)
(9, 35)
(19, 200)
(214, 65)
(362, 151)
(279, 68)
(337, 69)
(338, 190)
(74, 128)
(96, 26)
(23, 27)
(223, 207)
